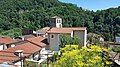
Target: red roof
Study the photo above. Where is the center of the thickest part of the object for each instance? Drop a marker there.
(6, 40)
(37, 41)
(8, 54)
(33, 45)
(65, 30)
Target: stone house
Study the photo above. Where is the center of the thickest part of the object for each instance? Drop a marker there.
(54, 36)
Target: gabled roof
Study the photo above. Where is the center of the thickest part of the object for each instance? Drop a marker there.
(29, 47)
(37, 40)
(6, 40)
(65, 30)
(8, 54)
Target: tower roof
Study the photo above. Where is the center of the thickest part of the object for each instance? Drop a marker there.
(55, 17)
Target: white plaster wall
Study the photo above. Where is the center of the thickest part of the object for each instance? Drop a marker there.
(5, 47)
(1, 47)
(18, 64)
(13, 45)
(72, 34)
(58, 24)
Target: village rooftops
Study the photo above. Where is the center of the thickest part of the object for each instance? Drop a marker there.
(66, 30)
(38, 41)
(28, 48)
(31, 46)
(8, 40)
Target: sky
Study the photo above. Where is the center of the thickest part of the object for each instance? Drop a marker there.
(94, 4)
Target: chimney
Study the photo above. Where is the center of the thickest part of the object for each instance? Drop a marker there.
(34, 32)
(19, 53)
(23, 38)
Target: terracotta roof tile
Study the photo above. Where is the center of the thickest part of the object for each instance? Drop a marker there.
(37, 40)
(65, 30)
(28, 48)
(6, 40)
(8, 54)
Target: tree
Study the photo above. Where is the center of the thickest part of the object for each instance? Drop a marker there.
(67, 39)
(85, 57)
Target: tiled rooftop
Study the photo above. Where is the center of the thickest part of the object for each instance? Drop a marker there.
(8, 54)
(37, 41)
(65, 30)
(31, 46)
(7, 40)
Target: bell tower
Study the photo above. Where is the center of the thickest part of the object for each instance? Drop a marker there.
(56, 22)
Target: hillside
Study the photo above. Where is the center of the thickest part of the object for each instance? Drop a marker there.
(35, 14)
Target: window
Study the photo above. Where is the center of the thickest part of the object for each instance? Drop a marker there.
(52, 36)
(57, 21)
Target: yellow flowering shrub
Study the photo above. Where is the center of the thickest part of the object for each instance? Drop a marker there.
(85, 57)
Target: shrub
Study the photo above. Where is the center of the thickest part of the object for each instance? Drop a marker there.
(93, 56)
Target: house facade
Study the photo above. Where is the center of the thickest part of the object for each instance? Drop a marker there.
(54, 36)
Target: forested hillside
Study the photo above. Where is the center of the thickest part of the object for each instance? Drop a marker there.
(35, 14)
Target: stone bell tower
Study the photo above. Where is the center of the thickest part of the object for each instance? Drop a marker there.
(56, 22)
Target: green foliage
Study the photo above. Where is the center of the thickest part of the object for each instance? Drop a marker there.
(85, 57)
(30, 64)
(116, 49)
(35, 14)
(94, 38)
(67, 39)
(12, 33)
